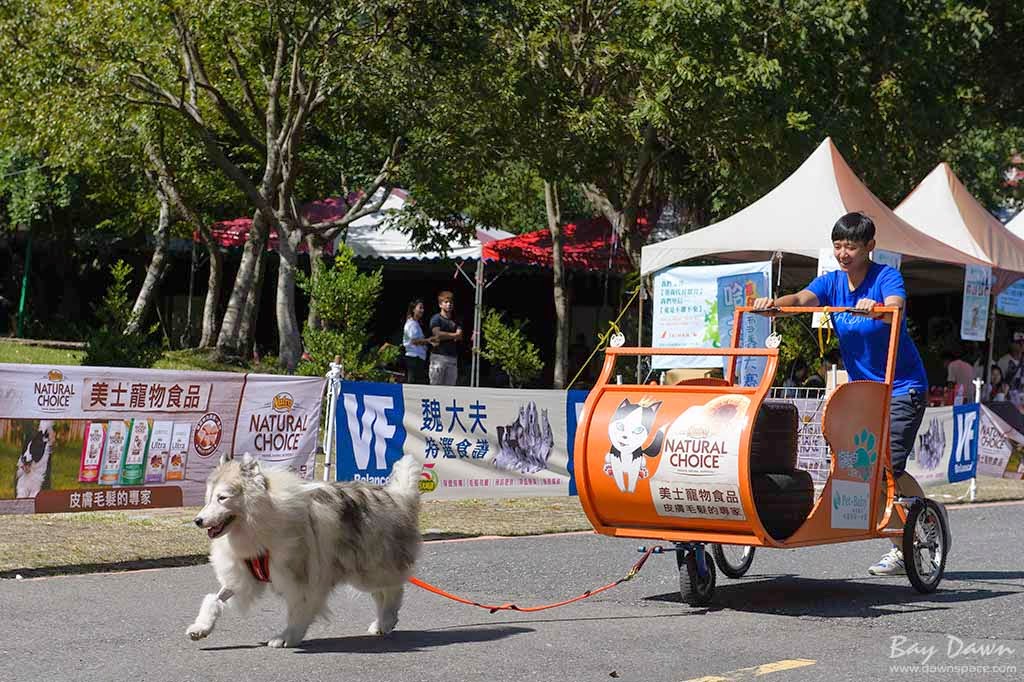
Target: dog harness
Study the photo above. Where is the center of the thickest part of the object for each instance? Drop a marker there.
(260, 567)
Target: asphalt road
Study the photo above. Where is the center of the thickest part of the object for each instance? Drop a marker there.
(808, 614)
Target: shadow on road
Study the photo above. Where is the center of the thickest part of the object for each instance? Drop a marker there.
(789, 595)
(408, 640)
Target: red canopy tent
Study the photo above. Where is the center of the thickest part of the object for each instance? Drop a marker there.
(589, 245)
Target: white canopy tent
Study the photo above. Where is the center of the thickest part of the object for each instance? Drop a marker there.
(942, 207)
(797, 217)
(377, 236)
(1016, 225)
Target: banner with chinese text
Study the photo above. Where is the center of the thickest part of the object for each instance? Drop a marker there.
(473, 443)
(686, 300)
(96, 438)
(977, 287)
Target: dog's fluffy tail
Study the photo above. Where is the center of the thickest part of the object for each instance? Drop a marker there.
(405, 477)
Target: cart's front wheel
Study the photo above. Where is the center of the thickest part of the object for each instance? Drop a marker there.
(734, 560)
(925, 545)
(696, 590)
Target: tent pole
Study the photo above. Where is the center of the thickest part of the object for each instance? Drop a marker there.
(987, 369)
(640, 327)
(478, 295)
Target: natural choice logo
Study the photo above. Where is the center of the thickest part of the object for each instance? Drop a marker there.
(857, 464)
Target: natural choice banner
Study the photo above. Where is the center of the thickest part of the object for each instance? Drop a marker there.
(96, 438)
(686, 307)
(473, 443)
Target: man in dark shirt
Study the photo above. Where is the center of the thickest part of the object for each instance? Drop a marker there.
(444, 366)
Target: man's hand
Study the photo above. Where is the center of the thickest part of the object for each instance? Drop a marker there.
(865, 304)
(458, 334)
(764, 303)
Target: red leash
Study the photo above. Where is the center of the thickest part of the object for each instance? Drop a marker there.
(513, 607)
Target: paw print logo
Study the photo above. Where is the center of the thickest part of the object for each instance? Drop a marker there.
(866, 454)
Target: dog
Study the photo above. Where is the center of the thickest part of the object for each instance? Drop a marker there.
(32, 474)
(269, 527)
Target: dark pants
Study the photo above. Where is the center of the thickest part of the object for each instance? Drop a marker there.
(906, 412)
(415, 370)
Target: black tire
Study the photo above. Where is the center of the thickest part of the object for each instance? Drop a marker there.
(925, 545)
(773, 443)
(731, 567)
(783, 501)
(693, 589)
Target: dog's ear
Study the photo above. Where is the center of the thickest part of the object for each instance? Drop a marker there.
(226, 457)
(251, 468)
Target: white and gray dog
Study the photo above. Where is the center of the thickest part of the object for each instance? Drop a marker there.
(32, 475)
(270, 527)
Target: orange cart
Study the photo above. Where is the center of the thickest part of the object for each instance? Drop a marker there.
(711, 462)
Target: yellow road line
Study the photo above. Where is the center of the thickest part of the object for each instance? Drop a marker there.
(756, 671)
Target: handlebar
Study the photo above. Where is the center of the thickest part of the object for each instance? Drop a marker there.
(793, 310)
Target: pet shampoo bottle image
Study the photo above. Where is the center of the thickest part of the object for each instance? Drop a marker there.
(180, 437)
(159, 451)
(92, 452)
(134, 465)
(113, 453)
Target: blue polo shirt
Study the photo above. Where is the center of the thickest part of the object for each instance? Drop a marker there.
(864, 342)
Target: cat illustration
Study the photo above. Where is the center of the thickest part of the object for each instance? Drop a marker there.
(628, 430)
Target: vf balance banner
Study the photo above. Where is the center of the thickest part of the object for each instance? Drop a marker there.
(95, 438)
(473, 443)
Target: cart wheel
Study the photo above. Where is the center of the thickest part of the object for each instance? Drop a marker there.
(734, 560)
(694, 590)
(925, 545)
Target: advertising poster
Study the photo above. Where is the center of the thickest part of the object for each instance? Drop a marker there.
(686, 315)
(743, 290)
(94, 438)
(977, 286)
(473, 443)
(1000, 447)
(1010, 301)
(947, 446)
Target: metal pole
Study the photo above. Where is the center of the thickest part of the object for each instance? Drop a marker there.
(987, 370)
(640, 327)
(478, 302)
(24, 285)
(334, 377)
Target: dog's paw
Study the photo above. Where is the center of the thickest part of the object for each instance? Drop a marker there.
(197, 632)
(376, 629)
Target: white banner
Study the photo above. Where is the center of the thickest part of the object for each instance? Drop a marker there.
(686, 300)
(95, 438)
(473, 442)
(977, 287)
(1000, 448)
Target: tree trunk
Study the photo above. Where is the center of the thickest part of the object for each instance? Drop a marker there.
(228, 340)
(316, 266)
(554, 214)
(157, 267)
(212, 302)
(288, 334)
(251, 309)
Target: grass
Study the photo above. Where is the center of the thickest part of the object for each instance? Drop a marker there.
(189, 359)
(54, 544)
(20, 354)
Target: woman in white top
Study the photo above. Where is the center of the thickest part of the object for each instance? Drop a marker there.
(415, 344)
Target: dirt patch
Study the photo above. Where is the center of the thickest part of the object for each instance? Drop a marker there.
(54, 544)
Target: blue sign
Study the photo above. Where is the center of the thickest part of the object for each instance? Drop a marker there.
(573, 406)
(740, 290)
(963, 460)
(370, 433)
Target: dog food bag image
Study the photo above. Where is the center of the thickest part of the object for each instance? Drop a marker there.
(180, 437)
(159, 451)
(134, 466)
(113, 452)
(92, 452)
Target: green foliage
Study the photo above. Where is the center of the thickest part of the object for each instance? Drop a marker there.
(506, 345)
(108, 345)
(344, 299)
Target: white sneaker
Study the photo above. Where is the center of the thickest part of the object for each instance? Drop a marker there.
(890, 564)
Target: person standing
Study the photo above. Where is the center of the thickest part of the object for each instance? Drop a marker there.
(1012, 367)
(864, 344)
(444, 364)
(415, 344)
(959, 375)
